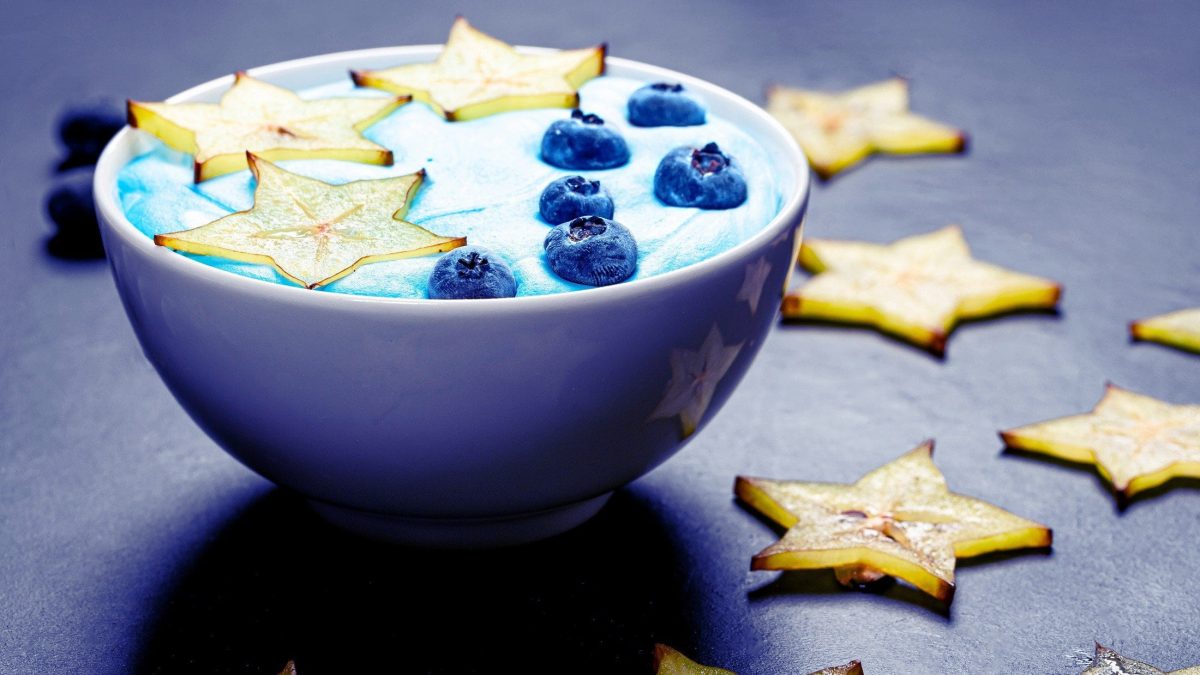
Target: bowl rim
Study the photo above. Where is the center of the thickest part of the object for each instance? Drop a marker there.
(112, 214)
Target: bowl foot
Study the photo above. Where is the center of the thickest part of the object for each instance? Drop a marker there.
(461, 532)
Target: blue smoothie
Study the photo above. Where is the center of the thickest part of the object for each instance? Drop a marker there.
(483, 181)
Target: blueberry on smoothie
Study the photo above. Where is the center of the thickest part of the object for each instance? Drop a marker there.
(85, 129)
(583, 142)
(471, 272)
(574, 196)
(591, 250)
(664, 105)
(71, 208)
(700, 177)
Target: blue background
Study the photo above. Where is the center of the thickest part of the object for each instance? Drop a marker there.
(130, 543)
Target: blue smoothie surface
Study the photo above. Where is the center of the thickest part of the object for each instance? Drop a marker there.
(483, 180)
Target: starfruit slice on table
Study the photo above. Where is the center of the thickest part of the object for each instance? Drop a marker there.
(1179, 329)
(289, 668)
(669, 661)
(312, 232)
(1135, 441)
(477, 75)
(838, 129)
(899, 520)
(852, 668)
(270, 121)
(917, 288)
(1108, 662)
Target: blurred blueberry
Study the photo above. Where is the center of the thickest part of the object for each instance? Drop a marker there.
(73, 211)
(86, 128)
(583, 142)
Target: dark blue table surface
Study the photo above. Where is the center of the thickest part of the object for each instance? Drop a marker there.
(130, 543)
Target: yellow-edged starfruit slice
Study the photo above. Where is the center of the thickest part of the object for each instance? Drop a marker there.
(838, 129)
(669, 661)
(270, 121)
(1179, 329)
(899, 520)
(314, 233)
(1108, 662)
(917, 288)
(1135, 441)
(477, 75)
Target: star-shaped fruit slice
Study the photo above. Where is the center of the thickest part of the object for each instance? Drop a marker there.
(1137, 442)
(899, 520)
(917, 288)
(837, 130)
(477, 75)
(270, 121)
(1179, 329)
(1108, 662)
(314, 233)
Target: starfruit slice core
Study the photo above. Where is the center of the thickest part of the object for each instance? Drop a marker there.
(477, 75)
(1135, 441)
(1109, 662)
(314, 233)
(899, 520)
(1180, 329)
(917, 288)
(839, 129)
(270, 121)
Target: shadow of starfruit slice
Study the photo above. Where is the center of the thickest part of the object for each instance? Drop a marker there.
(837, 130)
(1135, 441)
(899, 520)
(270, 121)
(917, 288)
(314, 233)
(1108, 662)
(1179, 329)
(477, 75)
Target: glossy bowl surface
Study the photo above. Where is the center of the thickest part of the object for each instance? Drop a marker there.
(454, 423)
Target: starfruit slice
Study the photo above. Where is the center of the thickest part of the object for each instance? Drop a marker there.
(1108, 662)
(477, 75)
(1135, 441)
(837, 130)
(314, 233)
(668, 661)
(899, 520)
(270, 121)
(917, 288)
(1179, 329)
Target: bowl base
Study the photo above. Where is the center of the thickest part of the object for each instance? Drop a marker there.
(510, 530)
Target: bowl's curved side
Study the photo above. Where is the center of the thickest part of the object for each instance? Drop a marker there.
(463, 409)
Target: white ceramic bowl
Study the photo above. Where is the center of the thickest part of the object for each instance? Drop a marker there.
(454, 423)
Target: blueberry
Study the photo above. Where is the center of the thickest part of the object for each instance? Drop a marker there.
(591, 250)
(85, 129)
(471, 272)
(574, 196)
(664, 105)
(583, 142)
(705, 177)
(73, 211)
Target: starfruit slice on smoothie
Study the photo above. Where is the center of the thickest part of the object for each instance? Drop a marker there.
(838, 129)
(917, 288)
(270, 121)
(1135, 441)
(312, 232)
(1109, 662)
(899, 520)
(477, 75)
(669, 661)
(1179, 329)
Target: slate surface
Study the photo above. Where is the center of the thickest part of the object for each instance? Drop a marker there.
(130, 543)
